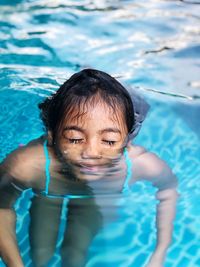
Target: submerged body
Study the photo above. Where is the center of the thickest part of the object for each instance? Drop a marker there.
(86, 155)
(85, 215)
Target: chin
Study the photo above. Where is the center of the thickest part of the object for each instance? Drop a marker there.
(87, 175)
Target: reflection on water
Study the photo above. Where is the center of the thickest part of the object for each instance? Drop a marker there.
(153, 38)
(152, 45)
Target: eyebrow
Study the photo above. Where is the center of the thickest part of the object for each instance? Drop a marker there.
(106, 130)
(110, 130)
(74, 128)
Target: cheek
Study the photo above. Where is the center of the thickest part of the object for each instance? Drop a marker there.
(116, 152)
(67, 150)
(71, 152)
(111, 153)
(74, 152)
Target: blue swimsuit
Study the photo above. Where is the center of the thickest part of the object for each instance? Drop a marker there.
(68, 196)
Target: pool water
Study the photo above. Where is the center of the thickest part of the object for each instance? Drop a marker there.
(150, 45)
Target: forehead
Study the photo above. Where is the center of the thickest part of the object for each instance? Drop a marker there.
(95, 111)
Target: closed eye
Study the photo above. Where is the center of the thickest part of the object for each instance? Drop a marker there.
(75, 141)
(108, 142)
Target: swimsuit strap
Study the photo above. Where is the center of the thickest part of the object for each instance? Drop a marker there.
(48, 179)
(129, 172)
(47, 168)
(68, 196)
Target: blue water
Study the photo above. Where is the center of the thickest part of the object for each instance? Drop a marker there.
(151, 45)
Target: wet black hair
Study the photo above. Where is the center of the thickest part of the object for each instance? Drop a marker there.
(77, 90)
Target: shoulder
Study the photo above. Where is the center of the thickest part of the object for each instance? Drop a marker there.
(146, 163)
(155, 170)
(152, 165)
(26, 163)
(135, 151)
(148, 166)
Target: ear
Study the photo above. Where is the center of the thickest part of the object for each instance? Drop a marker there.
(129, 144)
(126, 145)
(50, 138)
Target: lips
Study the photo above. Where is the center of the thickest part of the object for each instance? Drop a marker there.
(90, 167)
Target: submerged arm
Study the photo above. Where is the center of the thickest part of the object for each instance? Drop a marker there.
(18, 171)
(166, 211)
(156, 171)
(9, 250)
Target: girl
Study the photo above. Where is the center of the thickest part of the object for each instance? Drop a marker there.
(86, 154)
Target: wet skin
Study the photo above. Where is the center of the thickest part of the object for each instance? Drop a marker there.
(89, 147)
(91, 142)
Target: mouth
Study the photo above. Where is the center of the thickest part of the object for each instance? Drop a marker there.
(91, 168)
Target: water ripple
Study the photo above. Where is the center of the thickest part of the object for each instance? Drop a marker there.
(165, 29)
(150, 45)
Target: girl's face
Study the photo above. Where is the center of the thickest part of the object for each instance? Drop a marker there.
(91, 142)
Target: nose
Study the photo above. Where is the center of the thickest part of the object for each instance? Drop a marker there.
(91, 151)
